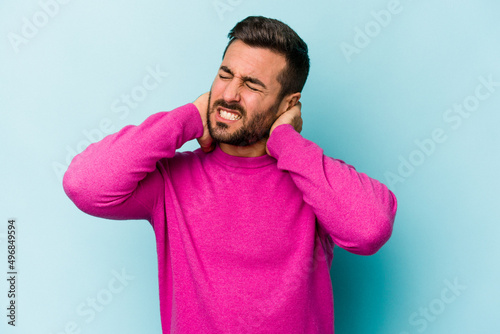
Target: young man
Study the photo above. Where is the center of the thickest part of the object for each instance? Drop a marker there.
(244, 226)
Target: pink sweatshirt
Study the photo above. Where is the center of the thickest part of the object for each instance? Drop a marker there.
(244, 245)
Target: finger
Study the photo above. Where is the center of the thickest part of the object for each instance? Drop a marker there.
(207, 145)
(203, 143)
(300, 122)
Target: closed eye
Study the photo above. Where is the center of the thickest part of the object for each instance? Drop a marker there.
(252, 88)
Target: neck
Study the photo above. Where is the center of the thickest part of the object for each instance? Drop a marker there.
(255, 150)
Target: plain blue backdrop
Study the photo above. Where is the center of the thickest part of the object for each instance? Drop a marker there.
(406, 91)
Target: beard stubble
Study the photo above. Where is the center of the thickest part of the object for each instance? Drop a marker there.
(250, 132)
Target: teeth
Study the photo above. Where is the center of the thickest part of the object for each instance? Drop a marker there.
(227, 115)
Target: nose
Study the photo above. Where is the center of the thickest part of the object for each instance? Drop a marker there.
(232, 91)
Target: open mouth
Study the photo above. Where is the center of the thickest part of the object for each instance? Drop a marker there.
(227, 114)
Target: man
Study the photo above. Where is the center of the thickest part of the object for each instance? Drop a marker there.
(245, 225)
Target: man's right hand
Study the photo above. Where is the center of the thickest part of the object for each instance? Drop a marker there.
(206, 142)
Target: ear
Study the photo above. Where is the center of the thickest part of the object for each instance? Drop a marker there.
(294, 98)
(289, 102)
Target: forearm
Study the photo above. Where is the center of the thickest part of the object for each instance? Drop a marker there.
(357, 211)
(108, 172)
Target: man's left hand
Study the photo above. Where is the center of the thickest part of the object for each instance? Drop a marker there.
(292, 117)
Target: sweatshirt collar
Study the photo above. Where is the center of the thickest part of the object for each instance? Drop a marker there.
(242, 162)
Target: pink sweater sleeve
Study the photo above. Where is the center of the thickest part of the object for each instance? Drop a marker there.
(355, 210)
(117, 178)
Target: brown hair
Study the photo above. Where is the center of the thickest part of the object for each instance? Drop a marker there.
(259, 31)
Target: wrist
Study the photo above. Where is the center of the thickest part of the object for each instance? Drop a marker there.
(279, 138)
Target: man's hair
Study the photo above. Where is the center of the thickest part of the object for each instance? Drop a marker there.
(259, 31)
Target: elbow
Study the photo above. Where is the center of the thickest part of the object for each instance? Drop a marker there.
(73, 183)
(371, 241)
(371, 227)
(69, 184)
(382, 227)
(375, 234)
(75, 189)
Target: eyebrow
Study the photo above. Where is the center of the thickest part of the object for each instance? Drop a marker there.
(245, 78)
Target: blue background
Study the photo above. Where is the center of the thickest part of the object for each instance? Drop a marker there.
(62, 84)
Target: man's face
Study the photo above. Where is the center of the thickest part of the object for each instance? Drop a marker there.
(243, 103)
